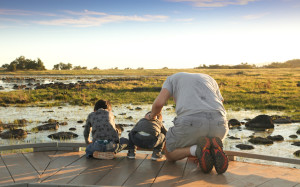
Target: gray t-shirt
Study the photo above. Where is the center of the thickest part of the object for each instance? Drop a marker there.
(194, 93)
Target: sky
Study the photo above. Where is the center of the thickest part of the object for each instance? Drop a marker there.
(150, 34)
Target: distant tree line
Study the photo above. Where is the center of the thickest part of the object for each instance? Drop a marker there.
(22, 63)
(68, 66)
(288, 64)
(62, 66)
(217, 66)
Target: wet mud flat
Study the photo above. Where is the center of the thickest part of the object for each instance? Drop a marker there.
(13, 82)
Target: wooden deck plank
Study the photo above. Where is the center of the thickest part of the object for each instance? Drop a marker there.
(97, 170)
(73, 168)
(24, 146)
(278, 183)
(250, 174)
(193, 176)
(52, 154)
(17, 185)
(39, 160)
(121, 172)
(255, 180)
(60, 160)
(20, 169)
(289, 174)
(145, 174)
(5, 177)
(68, 173)
(170, 173)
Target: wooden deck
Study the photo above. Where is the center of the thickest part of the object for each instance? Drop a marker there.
(61, 168)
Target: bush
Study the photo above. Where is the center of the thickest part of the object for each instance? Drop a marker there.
(22, 63)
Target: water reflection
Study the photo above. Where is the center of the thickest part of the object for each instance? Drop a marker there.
(13, 82)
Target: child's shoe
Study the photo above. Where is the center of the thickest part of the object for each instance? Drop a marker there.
(156, 156)
(131, 154)
(104, 155)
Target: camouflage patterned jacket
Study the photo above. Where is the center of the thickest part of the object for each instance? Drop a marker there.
(102, 125)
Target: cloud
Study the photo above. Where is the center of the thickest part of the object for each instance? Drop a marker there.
(156, 17)
(85, 13)
(255, 16)
(16, 12)
(83, 18)
(215, 3)
(185, 20)
(9, 20)
(91, 18)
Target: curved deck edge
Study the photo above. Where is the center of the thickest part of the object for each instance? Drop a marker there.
(59, 146)
(41, 184)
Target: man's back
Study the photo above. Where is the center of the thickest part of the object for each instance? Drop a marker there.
(194, 93)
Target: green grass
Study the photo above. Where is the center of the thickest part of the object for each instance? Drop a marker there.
(259, 89)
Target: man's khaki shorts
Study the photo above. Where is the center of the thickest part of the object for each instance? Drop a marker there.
(187, 129)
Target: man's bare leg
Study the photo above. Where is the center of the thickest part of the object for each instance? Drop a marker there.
(178, 154)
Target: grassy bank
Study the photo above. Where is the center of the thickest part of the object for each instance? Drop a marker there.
(260, 89)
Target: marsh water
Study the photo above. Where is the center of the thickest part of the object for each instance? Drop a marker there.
(130, 114)
(7, 82)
